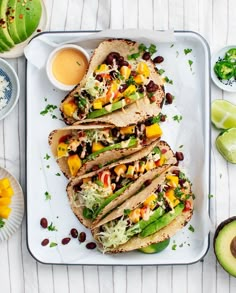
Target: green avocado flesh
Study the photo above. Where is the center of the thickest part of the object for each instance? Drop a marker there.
(18, 21)
(156, 247)
(225, 245)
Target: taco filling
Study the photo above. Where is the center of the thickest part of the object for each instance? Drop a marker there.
(96, 192)
(170, 199)
(81, 146)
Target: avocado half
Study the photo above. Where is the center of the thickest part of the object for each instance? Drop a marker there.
(225, 245)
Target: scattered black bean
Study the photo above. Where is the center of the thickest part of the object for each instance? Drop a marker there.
(179, 156)
(99, 78)
(163, 118)
(176, 172)
(123, 63)
(181, 182)
(146, 56)
(91, 245)
(44, 223)
(82, 237)
(123, 87)
(45, 242)
(169, 98)
(141, 89)
(158, 59)
(74, 233)
(151, 87)
(65, 241)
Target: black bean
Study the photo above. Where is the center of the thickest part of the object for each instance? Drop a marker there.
(123, 63)
(45, 242)
(141, 89)
(113, 74)
(65, 241)
(91, 245)
(44, 223)
(181, 182)
(176, 172)
(158, 59)
(163, 118)
(151, 87)
(146, 56)
(123, 87)
(179, 156)
(74, 233)
(82, 237)
(99, 78)
(147, 182)
(169, 98)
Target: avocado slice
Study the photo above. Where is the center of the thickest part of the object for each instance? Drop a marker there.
(11, 23)
(225, 245)
(116, 106)
(155, 247)
(4, 35)
(3, 47)
(33, 14)
(20, 20)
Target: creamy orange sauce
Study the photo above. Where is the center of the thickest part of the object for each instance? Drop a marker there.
(69, 66)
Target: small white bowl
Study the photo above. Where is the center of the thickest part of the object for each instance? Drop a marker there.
(11, 94)
(51, 57)
(215, 57)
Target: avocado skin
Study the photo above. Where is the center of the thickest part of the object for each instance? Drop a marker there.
(225, 228)
(4, 35)
(33, 14)
(11, 23)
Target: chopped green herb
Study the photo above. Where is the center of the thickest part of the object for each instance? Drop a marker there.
(182, 175)
(78, 63)
(172, 46)
(100, 166)
(177, 118)
(54, 116)
(58, 174)
(156, 119)
(47, 196)
(152, 49)
(187, 51)
(161, 71)
(45, 99)
(193, 196)
(2, 223)
(133, 56)
(168, 80)
(190, 62)
(178, 192)
(48, 166)
(210, 195)
(82, 102)
(99, 183)
(174, 246)
(127, 212)
(53, 244)
(180, 147)
(48, 109)
(156, 150)
(47, 157)
(142, 48)
(191, 228)
(51, 227)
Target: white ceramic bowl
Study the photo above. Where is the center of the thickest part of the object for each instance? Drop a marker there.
(51, 57)
(11, 94)
(221, 84)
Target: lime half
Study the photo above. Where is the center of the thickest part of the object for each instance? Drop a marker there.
(156, 247)
(223, 114)
(226, 144)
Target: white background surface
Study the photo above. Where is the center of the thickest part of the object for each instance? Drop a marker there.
(19, 272)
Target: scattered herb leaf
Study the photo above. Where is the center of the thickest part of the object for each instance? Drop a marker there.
(174, 247)
(47, 157)
(177, 118)
(187, 51)
(156, 119)
(190, 62)
(180, 147)
(48, 109)
(2, 223)
(47, 195)
(53, 244)
(127, 212)
(152, 49)
(161, 71)
(172, 46)
(191, 228)
(210, 195)
(48, 166)
(58, 174)
(51, 227)
(177, 54)
(168, 80)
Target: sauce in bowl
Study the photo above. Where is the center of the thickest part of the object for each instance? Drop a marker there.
(66, 66)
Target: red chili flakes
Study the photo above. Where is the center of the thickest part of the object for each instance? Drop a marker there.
(21, 16)
(39, 30)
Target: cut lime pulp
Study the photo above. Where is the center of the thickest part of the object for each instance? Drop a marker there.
(156, 247)
(223, 114)
(226, 144)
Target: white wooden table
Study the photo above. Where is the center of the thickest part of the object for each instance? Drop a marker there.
(19, 272)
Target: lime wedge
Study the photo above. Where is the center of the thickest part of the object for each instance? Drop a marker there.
(223, 114)
(226, 144)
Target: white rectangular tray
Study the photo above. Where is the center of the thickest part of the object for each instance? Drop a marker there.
(192, 136)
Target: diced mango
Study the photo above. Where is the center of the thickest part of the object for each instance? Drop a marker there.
(97, 104)
(127, 130)
(62, 150)
(102, 68)
(134, 215)
(151, 201)
(69, 108)
(139, 79)
(4, 183)
(141, 168)
(5, 201)
(7, 192)
(125, 72)
(143, 69)
(172, 180)
(120, 169)
(172, 199)
(150, 165)
(74, 164)
(97, 146)
(153, 131)
(131, 89)
(130, 171)
(5, 212)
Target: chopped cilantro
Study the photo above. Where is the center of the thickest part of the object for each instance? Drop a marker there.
(51, 227)
(182, 175)
(178, 192)
(191, 228)
(190, 62)
(181, 245)
(127, 212)
(54, 116)
(210, 195)
(2, 223)
(156, 150)
(133, 56)
(156, 119)
(142, 48)
(47, 196)
(47, 157)
(58, 174)
(168, 80)
(172, 46)
(187, 51)
(152, 49)
(177, 118)
(161, 71)
(53, 244)
(180, 147)
(48, 109)
(174, 247)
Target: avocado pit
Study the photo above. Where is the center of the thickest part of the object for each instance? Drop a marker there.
(233, 246)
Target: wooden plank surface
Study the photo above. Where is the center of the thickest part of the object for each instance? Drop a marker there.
(19, 272)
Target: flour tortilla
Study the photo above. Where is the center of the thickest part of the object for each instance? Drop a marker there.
(132, 113)
(132, 189)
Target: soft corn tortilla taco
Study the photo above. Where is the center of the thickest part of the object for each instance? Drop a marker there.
(83, 148)
(94, 195)
(149, 216)
(119, 88)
